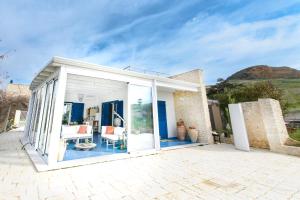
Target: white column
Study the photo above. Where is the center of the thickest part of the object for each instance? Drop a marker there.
(129, 146)
(57, 117)
(155, 116)
(238, 127)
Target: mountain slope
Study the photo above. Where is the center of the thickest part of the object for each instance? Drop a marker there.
(285, 78)
(265, 72)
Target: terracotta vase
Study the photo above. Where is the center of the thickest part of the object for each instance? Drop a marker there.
(193, 134)
(181, 132)
(180, 122)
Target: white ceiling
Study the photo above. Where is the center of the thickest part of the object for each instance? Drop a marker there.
(90, 86)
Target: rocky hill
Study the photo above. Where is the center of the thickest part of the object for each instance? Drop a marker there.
(285, 78)
(265, 72)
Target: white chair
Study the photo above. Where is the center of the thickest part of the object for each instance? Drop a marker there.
(111, 139)
(69, 132)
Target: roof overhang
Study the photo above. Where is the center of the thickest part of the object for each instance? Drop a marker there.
(56, 62)
(43, 75)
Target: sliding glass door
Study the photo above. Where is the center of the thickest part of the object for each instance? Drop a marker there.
(51, 113)
(38, 115)
(141, 135)
(47, 115)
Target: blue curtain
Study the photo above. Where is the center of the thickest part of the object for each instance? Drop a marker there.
(106, 114)
(77, 112)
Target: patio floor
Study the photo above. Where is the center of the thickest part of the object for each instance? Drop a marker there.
(170, 142)
(100, 150)
(202, 172)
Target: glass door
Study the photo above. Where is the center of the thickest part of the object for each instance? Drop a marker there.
(50, 121)
(44, 118)
(38, 115)
(47, 117)
(141, 134)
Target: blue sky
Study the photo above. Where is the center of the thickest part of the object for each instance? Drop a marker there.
(218, 36)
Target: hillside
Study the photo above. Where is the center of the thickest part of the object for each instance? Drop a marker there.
(265, 72)
(286, 78)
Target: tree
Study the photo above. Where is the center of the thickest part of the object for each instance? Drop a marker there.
(8, 104)
(258, 90)
(8, 101)
(3, 79)
(220, 80)
(5, 54)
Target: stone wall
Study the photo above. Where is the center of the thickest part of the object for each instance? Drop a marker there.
(192, 107)
(266, 127)
(18, 90)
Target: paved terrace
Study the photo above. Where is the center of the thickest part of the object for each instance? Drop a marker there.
(209, 172)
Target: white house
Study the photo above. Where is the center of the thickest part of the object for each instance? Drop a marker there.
(82, 113)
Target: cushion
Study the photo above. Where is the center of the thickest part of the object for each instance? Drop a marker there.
(111, 137)
(110, 130)
(69, 129)
(82, 129)
(119, 130)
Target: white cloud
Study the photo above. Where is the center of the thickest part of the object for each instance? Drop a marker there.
(222, 50)
(218, 43)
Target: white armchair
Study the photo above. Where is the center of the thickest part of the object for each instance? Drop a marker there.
(69, 132)
(119, 133)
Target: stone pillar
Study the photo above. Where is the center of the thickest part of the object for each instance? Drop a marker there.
(254, 124)
(274, 123)
(266, 127)
(192, 107)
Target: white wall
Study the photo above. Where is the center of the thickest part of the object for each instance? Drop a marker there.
(167, 96)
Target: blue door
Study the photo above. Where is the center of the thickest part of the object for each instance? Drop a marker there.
(162, 119)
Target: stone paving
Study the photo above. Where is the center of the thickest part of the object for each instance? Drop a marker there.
(208, 172)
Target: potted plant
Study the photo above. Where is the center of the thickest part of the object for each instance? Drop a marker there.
(181, 130)
(193, 134)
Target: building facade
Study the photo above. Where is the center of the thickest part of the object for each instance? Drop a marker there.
(77, 106)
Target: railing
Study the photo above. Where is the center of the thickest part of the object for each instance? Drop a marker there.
(146, 71)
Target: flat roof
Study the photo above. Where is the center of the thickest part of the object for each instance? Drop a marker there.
(57, 62)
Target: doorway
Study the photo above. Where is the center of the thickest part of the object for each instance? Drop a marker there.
(162, 119)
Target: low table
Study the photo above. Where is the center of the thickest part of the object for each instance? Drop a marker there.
(85, 146)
